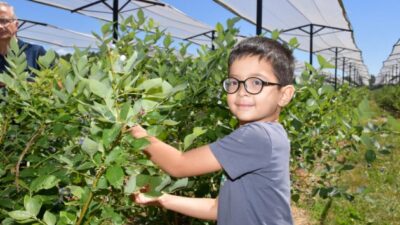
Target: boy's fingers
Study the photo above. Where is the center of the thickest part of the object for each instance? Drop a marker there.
(140, 198)
(137, 131)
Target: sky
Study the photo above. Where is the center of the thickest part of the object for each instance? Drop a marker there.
(375, 23)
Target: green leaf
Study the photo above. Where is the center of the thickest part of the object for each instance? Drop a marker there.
(311, 104)
(90, 146)
(151, 185)
(393, 123)
(49, 218)
(99, 88)
(67, 218)
(313, 92)
(364, 110)
(130, 186)
(370, 156)
(197, 131)
(47, 59)
(76, 191)
(219, 28)
(69, 84)
(140, 17)
(275, 34)
(169, 122)
(294, 43)
(295, 197)
(323, 63)
(20, 215)
(116, 155)
(347, 167)
(32, 205)
(150, 84)
(126, 107)
(110, 135)
(138, 143)
(106, 28)
(326, 89)
(44, 182)
(181, 183)
(131, 63)
(167, 41)
(142, 106)
(367, 141)
(115, 175)
(102, 183)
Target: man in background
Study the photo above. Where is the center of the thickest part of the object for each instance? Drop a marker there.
(8, 30)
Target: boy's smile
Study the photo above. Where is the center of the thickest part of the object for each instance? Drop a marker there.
(264, 106)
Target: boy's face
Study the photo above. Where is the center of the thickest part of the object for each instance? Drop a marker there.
(264, 106)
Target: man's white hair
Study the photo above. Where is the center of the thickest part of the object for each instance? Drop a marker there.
(5, 4)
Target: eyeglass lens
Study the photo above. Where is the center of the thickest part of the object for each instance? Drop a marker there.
(252, 85)
(5, 21)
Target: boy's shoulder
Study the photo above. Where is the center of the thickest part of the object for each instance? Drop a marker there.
(262, 126)
(257, 130)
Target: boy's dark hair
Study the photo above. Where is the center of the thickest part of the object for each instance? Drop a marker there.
(280, 57)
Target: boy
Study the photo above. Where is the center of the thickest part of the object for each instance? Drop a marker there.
(254, 157)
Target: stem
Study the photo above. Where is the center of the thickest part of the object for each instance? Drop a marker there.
(27, 148)
(325, 211)
(89, 199)
(4, 128)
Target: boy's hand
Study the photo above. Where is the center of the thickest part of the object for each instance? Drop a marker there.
(138, 131)
(142, 199)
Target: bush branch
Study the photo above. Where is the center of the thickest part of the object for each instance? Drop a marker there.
(25, 151)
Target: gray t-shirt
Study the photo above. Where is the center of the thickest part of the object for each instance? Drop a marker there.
(255, 158)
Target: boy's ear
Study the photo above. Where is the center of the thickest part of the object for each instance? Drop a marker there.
(287, 93)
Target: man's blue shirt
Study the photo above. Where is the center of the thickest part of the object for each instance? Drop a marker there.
(31, 51)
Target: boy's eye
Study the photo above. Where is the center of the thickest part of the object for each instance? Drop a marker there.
(257, 82)
(234, 82)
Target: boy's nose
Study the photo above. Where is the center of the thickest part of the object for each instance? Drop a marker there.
(242, 90)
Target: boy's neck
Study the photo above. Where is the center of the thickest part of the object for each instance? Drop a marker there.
(241, 123)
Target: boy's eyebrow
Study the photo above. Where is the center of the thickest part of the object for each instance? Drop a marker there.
(258, 75)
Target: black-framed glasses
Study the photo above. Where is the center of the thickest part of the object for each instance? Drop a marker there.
(253, 85)
(5, 21)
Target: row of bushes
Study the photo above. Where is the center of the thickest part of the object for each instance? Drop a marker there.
(388, 98)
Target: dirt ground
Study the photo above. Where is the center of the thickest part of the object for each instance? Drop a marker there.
(300, 216)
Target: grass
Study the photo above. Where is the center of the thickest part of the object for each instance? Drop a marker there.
(376, 186)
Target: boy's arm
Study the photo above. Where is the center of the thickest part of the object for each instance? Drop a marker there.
(176, 163)
(201, 208)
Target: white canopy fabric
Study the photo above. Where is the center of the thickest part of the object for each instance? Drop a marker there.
(39, 32)
(319, 26)
(170, 19)
(390, 71)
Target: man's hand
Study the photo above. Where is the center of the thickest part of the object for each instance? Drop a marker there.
(138, 131)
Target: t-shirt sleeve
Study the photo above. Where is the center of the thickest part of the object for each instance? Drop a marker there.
(245, 150)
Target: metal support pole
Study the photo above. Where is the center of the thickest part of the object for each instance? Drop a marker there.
(115, 20)
(350, 66)
(212, 40)
(391, 75)
(336, 53)
(259, 17)
(311, 42)
(344, 69)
